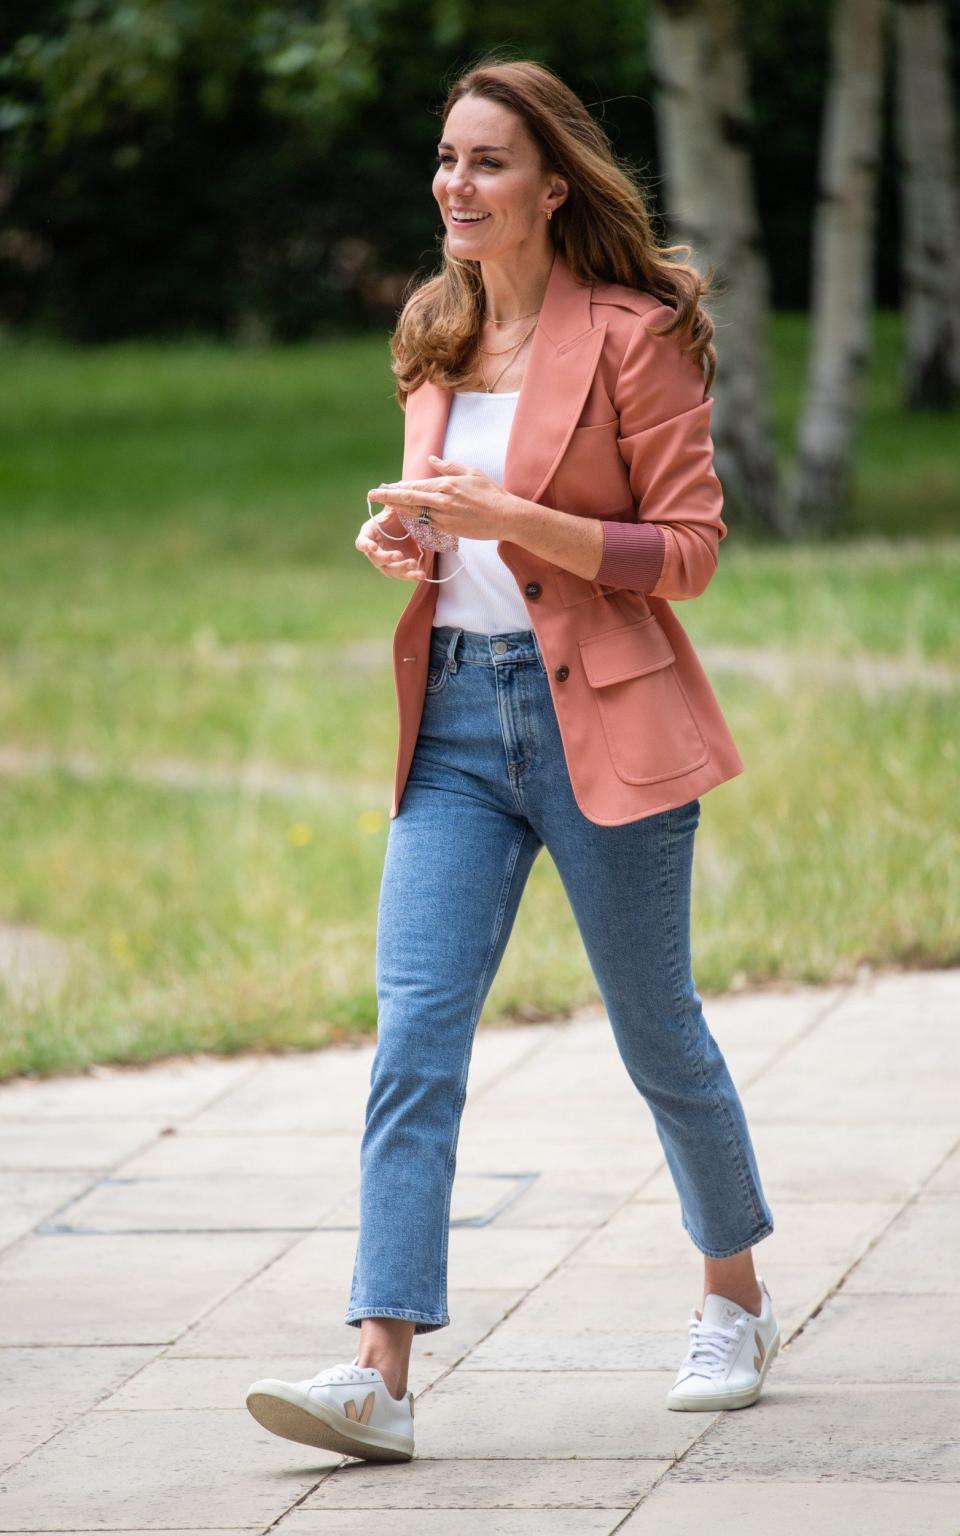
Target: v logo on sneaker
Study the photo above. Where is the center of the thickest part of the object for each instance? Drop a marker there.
(759, 1343)
(350, 1408)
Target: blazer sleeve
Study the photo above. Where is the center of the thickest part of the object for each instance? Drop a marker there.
(672, 549)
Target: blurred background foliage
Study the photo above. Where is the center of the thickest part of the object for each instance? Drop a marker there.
(262, 171)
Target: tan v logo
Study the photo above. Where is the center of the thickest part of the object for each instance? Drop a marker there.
(759, 1343)
(350, 1408)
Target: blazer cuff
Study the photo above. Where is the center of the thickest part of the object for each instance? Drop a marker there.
(632, 555)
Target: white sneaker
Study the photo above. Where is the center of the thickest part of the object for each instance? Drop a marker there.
(730, 1352)
(346, 1408)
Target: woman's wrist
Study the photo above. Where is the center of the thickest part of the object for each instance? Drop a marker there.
(565, 539)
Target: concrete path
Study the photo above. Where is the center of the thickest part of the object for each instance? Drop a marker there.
(169, 1234)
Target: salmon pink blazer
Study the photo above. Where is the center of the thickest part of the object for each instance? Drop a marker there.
(611, 422)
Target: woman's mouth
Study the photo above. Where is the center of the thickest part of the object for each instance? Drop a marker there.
(463, 219)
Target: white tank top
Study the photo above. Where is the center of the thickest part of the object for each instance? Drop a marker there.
(484, 596)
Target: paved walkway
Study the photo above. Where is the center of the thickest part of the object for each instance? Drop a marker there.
(169, 1234)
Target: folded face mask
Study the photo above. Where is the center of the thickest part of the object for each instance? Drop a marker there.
(425, 534)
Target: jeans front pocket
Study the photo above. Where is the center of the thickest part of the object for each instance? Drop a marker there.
(437, 673)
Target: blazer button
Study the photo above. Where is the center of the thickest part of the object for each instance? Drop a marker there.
(533, 589)
(562, 673)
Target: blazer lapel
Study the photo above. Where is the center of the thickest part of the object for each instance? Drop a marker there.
(559, 370)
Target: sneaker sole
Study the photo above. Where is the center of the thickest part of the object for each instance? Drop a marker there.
(741, 1399)
(281, 1410)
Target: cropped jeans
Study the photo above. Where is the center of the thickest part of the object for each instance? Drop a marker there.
(488, 787)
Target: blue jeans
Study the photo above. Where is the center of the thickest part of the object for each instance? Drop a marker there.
(488, 788)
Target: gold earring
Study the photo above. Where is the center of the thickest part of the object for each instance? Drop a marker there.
(549, 213)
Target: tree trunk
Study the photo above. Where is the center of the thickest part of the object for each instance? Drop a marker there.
(843, 264)
(930, 204)
(702, 107)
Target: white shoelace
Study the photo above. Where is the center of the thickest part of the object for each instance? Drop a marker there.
(339, 1373)
(711, 1347)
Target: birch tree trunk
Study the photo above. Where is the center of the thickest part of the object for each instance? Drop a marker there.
(843, 264)
(702, 109)
(930, 205)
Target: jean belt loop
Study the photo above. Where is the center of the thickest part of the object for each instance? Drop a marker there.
(536, 642)
(451, 648)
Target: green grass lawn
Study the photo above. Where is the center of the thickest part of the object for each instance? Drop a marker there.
(180, 581)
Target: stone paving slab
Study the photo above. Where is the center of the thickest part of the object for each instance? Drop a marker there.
(765, 1016)
(457, 1522)
(202, 1382)
(121, 1290)
(911, 1339)
(596, 1318)
(650, 1235)
(154, 1203)
(150, 1471)
(946, 1180)
(480, 1197)
(856, 1088)
(510, 1150)
(840, 1161)
(494, 1484)
(746, 1054)
(797, 1509)
(44, 1389)
(552, 1415)
(568, 1197)
(147, 1275)
(64, 1145)
(920, 1251)
(191, 1152)
(889, 1046)
(28, 1196)
(171, 1089)
(320, 1090)
(220, 1381)
(307, 1324)
(821, 1431)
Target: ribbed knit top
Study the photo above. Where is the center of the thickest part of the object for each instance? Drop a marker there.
(484, 596)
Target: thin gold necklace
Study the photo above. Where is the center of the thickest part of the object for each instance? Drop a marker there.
(489, 352)
(512, 318)
(501, 352)
(491, 387)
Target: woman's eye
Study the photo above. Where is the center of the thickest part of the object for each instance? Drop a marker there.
(443, 159)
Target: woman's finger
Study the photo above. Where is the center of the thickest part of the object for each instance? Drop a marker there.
(391, 563)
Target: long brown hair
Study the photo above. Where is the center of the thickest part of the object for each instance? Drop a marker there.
(603, 228)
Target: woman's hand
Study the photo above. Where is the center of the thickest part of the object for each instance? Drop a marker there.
(389, 556)
(460, 500)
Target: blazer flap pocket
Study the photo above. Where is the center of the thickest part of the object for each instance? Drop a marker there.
(628, 651)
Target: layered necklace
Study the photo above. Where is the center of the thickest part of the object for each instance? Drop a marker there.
(513, 350)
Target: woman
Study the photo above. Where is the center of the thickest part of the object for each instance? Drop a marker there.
(554, 377)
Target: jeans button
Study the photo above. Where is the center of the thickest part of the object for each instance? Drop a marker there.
(500, 646)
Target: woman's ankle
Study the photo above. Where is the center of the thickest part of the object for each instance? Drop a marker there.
(385, 1343)
(394, 1373)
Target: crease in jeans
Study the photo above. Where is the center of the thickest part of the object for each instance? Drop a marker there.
(477, 1005)
(669, 869)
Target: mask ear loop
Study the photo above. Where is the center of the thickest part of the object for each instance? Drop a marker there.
(399, 536)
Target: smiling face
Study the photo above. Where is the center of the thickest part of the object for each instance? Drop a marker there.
(488, 164)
